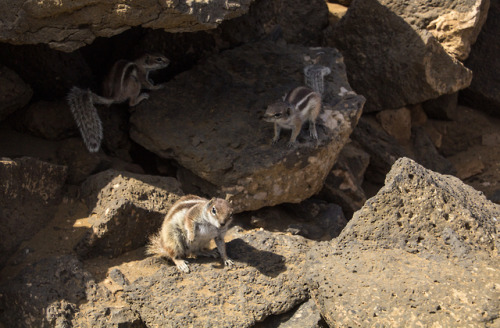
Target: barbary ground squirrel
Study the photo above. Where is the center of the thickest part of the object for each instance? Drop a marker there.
(124, 82)
(188, 228)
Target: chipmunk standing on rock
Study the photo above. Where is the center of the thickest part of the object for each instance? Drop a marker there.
(299, 105)
(188, 228)
(124, 82)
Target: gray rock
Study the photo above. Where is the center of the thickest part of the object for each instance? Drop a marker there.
(268, 279)
(222, 139)
(415, 206)
(30, 192)
(484, 90)
(126, 209)
(410, 66)
(14, 92)
(423, 250)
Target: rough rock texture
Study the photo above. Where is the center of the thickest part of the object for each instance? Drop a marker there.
(306, 315)
(30, 190)
(55, 286)
(14, 92)
(423, 250)
(69, 25)
(265, 15)
(484, 91)
(126, 209)
(387, 44)
(267, 280)
(208, 120)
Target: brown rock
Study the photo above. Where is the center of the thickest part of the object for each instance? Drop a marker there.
(423, 250)
(70, 25)
(126, 209)
(14, 93)
(418, 115)
(407, 67)
(30, 191)
(223, 141)
(396, 123)
(467, 164)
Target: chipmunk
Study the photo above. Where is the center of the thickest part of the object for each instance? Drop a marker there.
(124, 82)
(299, 105)
(188, 228)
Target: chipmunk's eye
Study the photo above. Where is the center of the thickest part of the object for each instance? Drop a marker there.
(159, 59)
(277, 115)
(214, 211)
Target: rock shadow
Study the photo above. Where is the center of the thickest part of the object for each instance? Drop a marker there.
(268, 263)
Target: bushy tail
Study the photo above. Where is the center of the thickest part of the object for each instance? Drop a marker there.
(155, 246)
(81, 103)
(314, 77)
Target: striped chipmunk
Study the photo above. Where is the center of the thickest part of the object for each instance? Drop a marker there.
(188, 228)
(124, 82)
(298, 106)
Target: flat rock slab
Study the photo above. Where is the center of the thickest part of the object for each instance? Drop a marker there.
(208, 120)
(126, 209)
(268, 278)
(69, 25)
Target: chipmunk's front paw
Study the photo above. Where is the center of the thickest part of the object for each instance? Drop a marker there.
(228, 262)
(182, 265)
(274, 141)
(291, 144)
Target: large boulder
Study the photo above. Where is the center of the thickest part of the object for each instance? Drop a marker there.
(268, 278)
(126, 209)
(208, 120)
(484, 91)
(29, 194)
(69, 25)
(14, 92)
(408, 51)
(423, 250)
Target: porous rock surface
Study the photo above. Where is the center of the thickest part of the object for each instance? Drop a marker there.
(267, 279)
(30, 190)
(398, 46)
(126, 208)
(69, 25)
(423, 250)
(209, 120)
